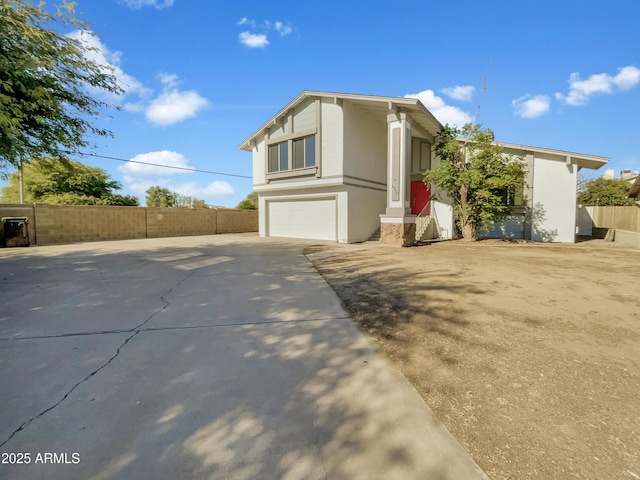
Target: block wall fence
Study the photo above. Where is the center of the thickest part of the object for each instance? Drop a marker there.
(50, 224)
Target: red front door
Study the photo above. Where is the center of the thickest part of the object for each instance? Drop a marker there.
(420, 195)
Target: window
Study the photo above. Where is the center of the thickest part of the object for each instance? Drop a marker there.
(512, 197)
(303, 153)
(421, 156)
(278, 157)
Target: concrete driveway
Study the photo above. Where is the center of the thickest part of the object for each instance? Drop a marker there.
(199, 357)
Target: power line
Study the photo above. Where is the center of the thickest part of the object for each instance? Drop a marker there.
(160, 165)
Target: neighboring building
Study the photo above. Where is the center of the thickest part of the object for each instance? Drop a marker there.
(332, 166)
(628, 175)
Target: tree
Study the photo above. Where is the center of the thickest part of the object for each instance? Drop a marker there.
(249, 203)
(606, 192)
(481, 180)
(165, 198)
(45, 110)
(160, 197)
(65, 182)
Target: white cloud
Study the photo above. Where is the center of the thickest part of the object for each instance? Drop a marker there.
(175, 106)
(163, 157)
(134, 107)
(246, 21)
(170, 107)
(627, 78)
(214, 189)
(581, 90)
(137, 4)
(138, 177)
(259, 39)
(463, 93)
(98, 52)
(529, 106)
(283, 29)
(253, 40)
(169, 80)
(443, 112)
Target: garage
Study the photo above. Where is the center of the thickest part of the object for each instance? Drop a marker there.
(312, 218)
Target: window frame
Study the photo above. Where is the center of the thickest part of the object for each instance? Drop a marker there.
(287, 141)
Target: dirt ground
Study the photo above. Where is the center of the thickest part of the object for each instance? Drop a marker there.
(528, 353)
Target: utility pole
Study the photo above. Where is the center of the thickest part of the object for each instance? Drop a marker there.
(20, 176)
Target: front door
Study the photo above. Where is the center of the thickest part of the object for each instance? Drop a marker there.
(420, 195)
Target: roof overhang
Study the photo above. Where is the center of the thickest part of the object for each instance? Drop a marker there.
(583, 160)
(369, 103)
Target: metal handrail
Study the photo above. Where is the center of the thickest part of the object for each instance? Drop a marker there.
(426, 205)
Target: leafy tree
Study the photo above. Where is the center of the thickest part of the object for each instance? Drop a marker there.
(606, 192)
(160, 197)
(65, 182)
(477, 176)
(249, 203)
(45, 110)
(165, 198)
(187, 201)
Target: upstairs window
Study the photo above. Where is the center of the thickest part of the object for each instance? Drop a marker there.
(304, 152)
(279, 157)
(292, 154)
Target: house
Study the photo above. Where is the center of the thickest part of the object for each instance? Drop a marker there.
(332, 166)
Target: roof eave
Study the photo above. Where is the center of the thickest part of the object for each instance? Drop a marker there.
(583, 160)
(400, 101)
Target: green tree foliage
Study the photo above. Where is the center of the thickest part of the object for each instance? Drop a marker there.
(45, 110)
(65, 182)
(249, 203)
(165, 198)
(606, 192)
(159, 197)
(480, 179)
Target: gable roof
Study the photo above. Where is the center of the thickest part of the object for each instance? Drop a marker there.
(581, 159)
(370, 103)
(383, 105)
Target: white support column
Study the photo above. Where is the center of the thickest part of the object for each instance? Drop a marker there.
(397, 224)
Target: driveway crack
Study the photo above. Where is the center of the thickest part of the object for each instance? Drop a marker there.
(133, 331)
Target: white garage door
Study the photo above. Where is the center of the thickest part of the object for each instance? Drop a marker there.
(314, 219)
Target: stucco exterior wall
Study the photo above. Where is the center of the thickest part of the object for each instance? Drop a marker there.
(365, 146)
(510, 227)
(304, 115)
(332, 129)
(553, 206)
(365, 206)
(259, 163)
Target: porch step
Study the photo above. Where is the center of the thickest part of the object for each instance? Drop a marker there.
(376, 236)
(423, 232)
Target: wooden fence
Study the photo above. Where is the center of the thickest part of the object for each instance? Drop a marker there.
(619, 218)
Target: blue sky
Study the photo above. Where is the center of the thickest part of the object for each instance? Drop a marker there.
(201, 76)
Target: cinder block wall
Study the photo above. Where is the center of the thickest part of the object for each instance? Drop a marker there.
(86, 223)
(175, 222)
(49, 224)
(237, 221)
(21, 210)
